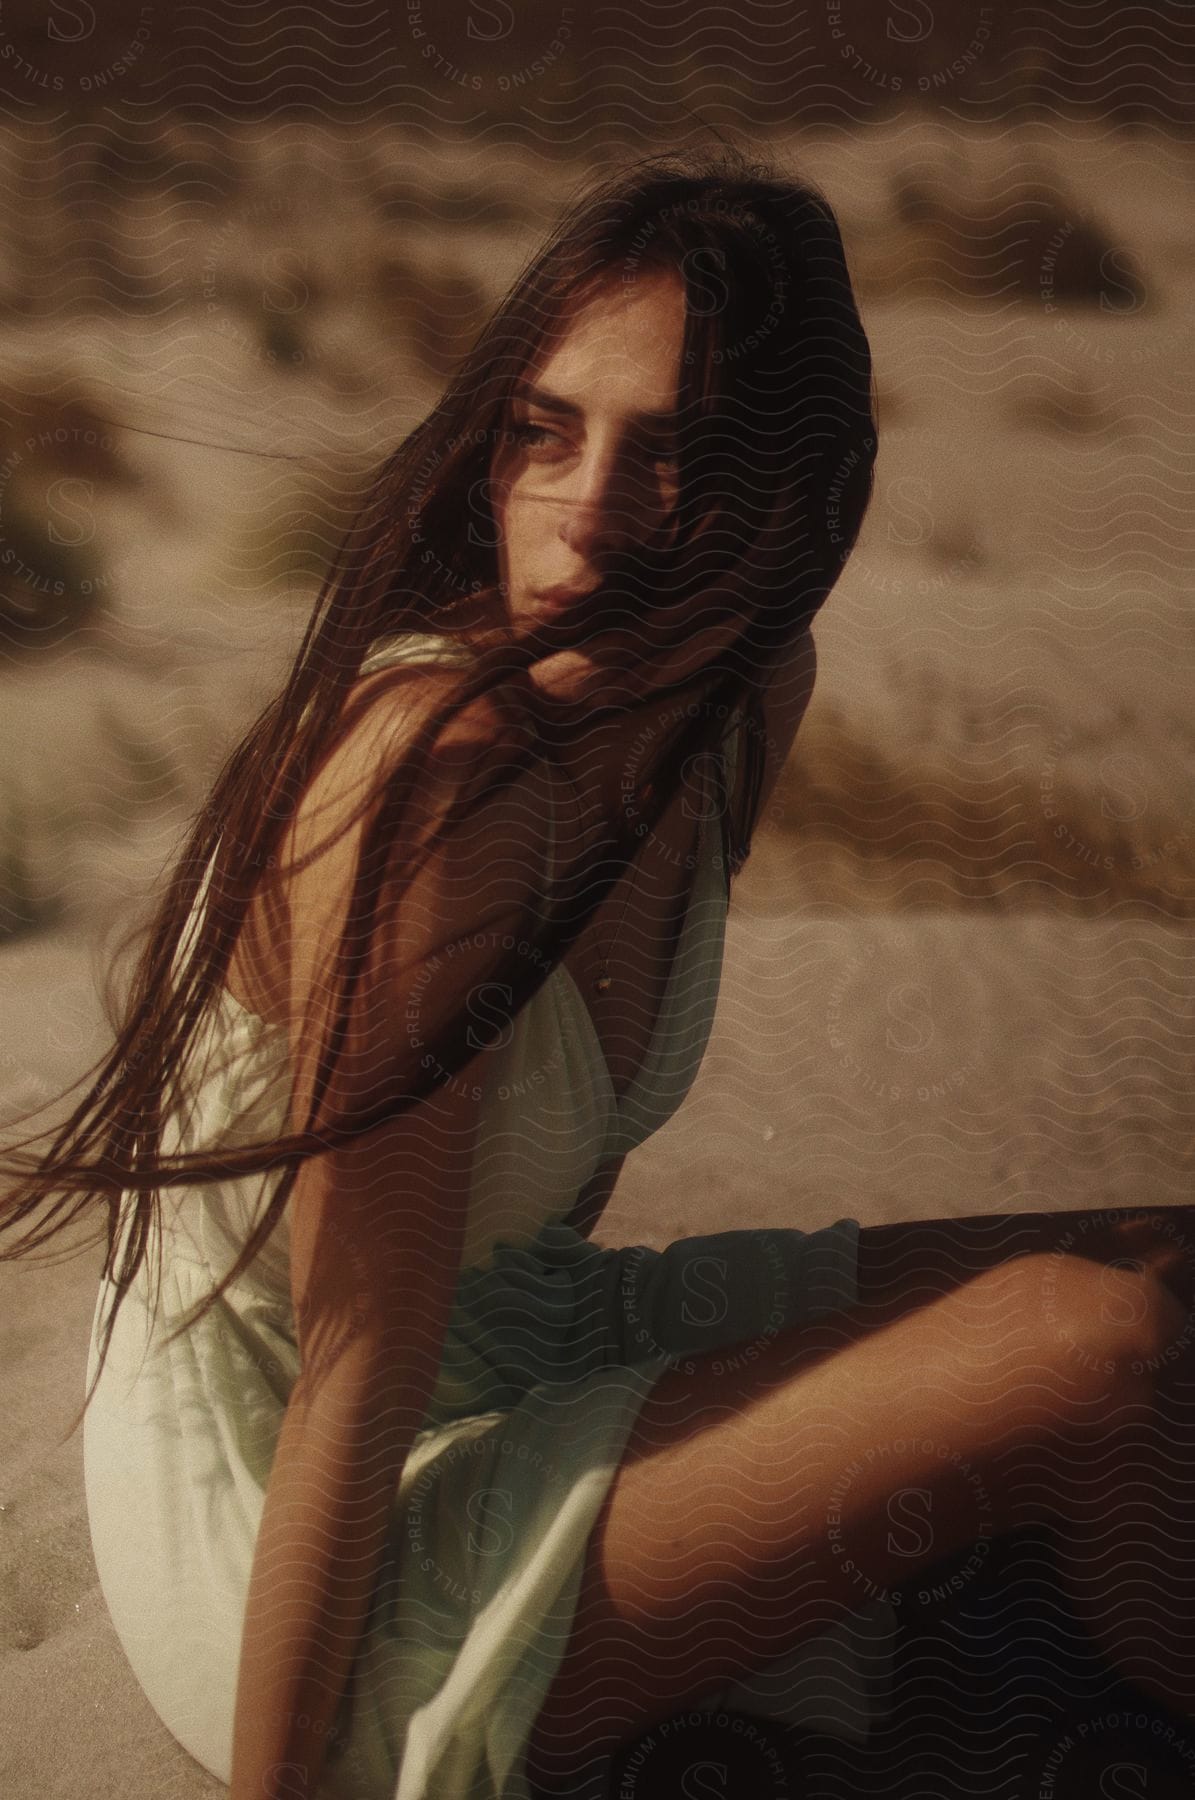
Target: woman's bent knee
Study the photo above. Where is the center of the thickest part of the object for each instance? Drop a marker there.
(1120, 1325)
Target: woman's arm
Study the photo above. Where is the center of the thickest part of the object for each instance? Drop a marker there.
(377, 1232)
(323, 1529)
(740, 1287)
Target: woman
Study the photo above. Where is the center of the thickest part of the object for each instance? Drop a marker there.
(397, 1485)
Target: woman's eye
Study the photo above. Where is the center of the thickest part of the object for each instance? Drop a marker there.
(541, 437)
(534, 435)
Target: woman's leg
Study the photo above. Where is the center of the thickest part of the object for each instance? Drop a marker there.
(1127, 1548)
(914, 1261)
(755, 1507)
(1127, 1554)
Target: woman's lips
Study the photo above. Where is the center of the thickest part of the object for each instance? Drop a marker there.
(564, 596)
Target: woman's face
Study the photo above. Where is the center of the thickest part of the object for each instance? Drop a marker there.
(589, 471)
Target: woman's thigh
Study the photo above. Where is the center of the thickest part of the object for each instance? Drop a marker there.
(768, 1489)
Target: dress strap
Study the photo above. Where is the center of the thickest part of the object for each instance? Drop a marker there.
(412, 646)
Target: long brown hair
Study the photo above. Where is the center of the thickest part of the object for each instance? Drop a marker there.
(777, 449)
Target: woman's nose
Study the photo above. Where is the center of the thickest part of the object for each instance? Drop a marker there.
(613, 509)
(591, 531)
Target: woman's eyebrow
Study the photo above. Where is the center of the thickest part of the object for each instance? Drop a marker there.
(538, 396)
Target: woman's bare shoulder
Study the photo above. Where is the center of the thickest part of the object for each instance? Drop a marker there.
(300, 903)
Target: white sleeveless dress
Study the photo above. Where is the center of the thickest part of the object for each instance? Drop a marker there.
(552, 1346)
